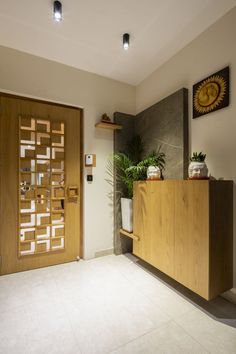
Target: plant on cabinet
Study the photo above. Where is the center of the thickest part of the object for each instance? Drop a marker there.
(197, 168)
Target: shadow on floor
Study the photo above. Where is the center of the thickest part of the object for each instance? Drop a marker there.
(219, 308)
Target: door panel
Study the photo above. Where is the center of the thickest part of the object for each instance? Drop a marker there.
(40, 159)
(41, 215)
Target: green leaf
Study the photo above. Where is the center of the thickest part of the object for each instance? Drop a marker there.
(198, 157)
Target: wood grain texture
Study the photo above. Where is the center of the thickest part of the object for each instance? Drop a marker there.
(11, 108)
(186, 231)
(153, 212)
(139, 211)
(111, 126)
(192, 235)
(129, 234)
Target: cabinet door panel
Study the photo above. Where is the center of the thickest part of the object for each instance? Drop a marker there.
(139, 217)
(161, 221)
(192, 235)
(154, 224)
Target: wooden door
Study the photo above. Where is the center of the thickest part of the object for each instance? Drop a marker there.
(40, 186)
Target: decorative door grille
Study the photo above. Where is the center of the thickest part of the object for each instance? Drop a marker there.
(41, 186)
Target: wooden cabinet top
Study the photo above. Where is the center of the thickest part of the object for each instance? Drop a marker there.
(186, 181)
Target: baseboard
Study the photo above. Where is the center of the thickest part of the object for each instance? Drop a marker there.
(103, 253)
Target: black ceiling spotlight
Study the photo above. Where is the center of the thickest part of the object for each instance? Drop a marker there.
(57, 11)
(126, 41)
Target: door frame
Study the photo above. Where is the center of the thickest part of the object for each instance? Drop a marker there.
(81, 192)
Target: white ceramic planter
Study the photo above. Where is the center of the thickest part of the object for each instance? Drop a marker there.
(153, 172)
(127, 214)
(197, 170)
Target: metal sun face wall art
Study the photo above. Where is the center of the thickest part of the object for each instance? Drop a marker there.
(211, 93)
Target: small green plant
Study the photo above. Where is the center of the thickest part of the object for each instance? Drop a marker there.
(139, 172)
(198, 157)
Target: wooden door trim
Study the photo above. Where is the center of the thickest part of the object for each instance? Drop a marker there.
(39, 100)
(81, 192)
(43, 101)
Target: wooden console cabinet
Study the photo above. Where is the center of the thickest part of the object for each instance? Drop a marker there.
(185, 229)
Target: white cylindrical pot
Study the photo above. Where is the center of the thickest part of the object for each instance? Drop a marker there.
(197, 170)
(127, 214)
(153, 172)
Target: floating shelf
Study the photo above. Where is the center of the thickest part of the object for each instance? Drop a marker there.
(129, 234)
(104, 125)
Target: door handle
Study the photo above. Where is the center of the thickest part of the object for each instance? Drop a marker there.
(73, 193)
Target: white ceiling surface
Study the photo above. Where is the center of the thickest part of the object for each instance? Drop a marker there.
(90, 35)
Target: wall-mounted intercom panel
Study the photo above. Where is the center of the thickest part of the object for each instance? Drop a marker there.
(90, 160)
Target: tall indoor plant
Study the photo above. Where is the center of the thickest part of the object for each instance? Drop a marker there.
(128, 167)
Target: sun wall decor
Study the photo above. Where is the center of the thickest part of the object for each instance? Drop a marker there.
(211, 93)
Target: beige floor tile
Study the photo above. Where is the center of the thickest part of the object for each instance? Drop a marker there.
(162, 296)
(100, 305)
(168, 339)
(215, 336)
(111, 323)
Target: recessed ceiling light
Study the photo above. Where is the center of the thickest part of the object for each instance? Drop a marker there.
(57, 11)
(126, 41)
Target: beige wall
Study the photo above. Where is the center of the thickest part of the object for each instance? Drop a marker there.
(35, 77)
(215, 133)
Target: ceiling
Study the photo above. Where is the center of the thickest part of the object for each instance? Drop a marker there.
(90, 35)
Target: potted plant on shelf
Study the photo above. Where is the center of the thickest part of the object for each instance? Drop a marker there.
(154, 161)
(197, 168)
(127, 168)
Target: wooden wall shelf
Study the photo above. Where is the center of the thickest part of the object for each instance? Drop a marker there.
(129, 234)
(111, 126)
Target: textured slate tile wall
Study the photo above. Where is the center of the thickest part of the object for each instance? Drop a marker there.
(166, 124)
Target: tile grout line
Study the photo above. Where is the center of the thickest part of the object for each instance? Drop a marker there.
(149, 299)
(142, 335)
(195, 340)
